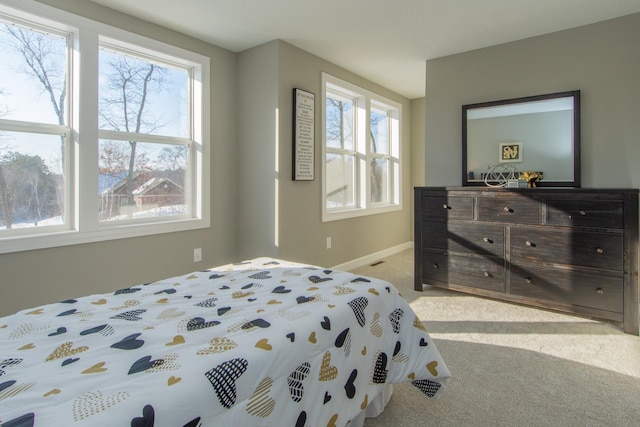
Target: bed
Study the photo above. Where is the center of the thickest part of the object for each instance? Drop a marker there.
(264, 342)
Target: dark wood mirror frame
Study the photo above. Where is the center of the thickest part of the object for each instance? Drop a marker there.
(576, 135)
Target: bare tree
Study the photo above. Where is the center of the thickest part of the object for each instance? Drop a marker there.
(338, 129)
(123, 104)
(42, 62)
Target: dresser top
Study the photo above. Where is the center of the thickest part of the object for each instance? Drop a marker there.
(531, 191)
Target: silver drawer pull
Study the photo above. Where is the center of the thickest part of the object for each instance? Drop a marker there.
(528, 243)
(435, 266)
(446, 206)
(599, 291)
(487, 240)
(599, 250)
(583, 213)
(528, 280)
(507, 209)
(487, 274)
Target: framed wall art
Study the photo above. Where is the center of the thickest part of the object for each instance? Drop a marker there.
(303, 135)
(510, 152)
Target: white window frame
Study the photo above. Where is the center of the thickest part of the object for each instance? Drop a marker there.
(364, 100)
(81, 210)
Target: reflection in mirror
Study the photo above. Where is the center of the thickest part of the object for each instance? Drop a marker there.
(537, 133)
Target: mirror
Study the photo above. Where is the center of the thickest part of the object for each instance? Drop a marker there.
(501, 139)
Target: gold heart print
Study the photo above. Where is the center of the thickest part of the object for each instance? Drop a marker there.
(332, 421)
(101, 301)
(218, 345)
(365, 402)
(177, 340)
(95, 369)
(264, 344)
(27, 346)
(240, 294)
(66, 350)
(260, 403)
(52, 392)
(376, 326)
(327, 372)
(312, 338)
(343, 290)
(170, 313)
(127, 304)
(432, 367)
(92, 402)
(173, 380)
(417, 323)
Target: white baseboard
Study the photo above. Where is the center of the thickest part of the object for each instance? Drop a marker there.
(371, 258)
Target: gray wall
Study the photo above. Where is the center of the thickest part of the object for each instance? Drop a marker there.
(32, 278)
(295, 231)
(601, 60)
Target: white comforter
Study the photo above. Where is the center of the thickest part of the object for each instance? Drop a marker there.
(266, 342)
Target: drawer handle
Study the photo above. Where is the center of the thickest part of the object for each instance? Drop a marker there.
(487, 274)
(507, 209)
(528, 280)
(583, 213)
(487, 240)
(529, 243)
(599, 291)
(435, 266)
(599, 250)
(446, 206)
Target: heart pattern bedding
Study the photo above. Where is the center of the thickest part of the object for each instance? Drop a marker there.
(265, 342)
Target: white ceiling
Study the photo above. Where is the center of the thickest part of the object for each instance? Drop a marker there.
(385, 41)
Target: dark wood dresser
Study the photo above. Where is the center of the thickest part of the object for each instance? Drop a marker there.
(567, 249)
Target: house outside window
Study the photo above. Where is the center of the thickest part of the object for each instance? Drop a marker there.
(361, 151)
(103, 133)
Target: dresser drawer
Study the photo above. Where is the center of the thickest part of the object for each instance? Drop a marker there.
(509, 209)
(485, 273)
(569, 247)
(568, 287)
(447, 207)
(586, 213)
(483, 239)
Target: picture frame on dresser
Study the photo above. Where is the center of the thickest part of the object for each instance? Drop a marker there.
(573, 250)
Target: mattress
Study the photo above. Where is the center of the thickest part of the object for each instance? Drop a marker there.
(264, 342)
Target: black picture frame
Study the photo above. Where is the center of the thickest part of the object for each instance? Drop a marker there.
(303, 168)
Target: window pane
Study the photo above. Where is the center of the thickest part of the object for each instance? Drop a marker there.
(340, 180)
(31, 180)
(153, 185)
(32, 76)
(380, 181)
(379, 131)
(140, 96)
(339, 123)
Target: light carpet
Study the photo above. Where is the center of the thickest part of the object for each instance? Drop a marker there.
(513, 365)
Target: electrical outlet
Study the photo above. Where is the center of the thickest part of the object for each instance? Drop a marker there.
(197, 255)
(328, 242)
